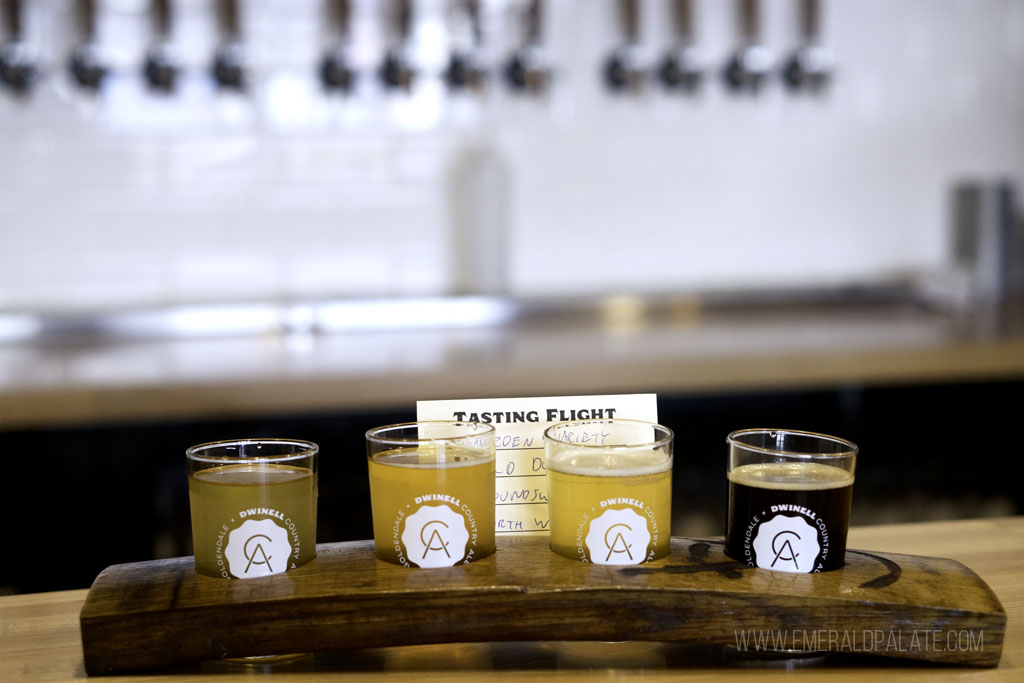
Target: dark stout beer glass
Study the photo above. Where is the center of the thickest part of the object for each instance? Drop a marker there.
(789, 499)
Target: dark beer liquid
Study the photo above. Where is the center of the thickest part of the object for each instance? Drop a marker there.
(812, 498)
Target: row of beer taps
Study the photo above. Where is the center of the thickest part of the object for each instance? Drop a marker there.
(629, 67)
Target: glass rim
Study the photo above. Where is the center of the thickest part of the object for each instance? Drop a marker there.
(667, 438)
(308, 449)
(851, 449)
(376, 434)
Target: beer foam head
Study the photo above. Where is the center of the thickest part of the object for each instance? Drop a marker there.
(590, 463)
(250, 473)
(431, 456)
(791, 476)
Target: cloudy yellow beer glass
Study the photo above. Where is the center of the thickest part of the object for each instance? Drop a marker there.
(432, 492)
(610, 490)
(253, 506)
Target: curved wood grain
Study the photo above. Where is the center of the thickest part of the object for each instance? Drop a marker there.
(157, 614)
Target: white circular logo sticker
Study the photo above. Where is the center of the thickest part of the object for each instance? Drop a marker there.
(618, 537)
(257, 548)
(787, 544)
(435, 536)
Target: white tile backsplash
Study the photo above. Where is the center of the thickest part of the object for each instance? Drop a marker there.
(131, 199)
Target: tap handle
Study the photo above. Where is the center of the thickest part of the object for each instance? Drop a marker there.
(750, 65)
(534, 19)
(528, 69)
(403, 19)
(339, 15)
(750, 21)
(161, 19)
(475, 23)
(85, 17)
(466, 69)
(160, 67)
(811, 65)
(629, 17)
(87, 66)
(11, 10)
(336, 70)
(683, 66)
(398, 70)
(229, 62)
(810, 20)
(626, 68)
(229, 20)
(17, 68)
(682, 21)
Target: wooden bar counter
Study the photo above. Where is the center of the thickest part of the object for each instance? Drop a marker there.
(681, 348)
(40, 638)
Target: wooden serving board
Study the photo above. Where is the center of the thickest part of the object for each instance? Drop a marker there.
(161, 613)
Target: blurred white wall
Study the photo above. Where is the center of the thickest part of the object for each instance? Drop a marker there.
(127, 198)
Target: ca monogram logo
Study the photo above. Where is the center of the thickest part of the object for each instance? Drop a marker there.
(435, 536)
(618, 537)
(434, 532)
(257, 548)
(788, 544)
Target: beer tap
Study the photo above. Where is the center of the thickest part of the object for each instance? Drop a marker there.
(683, 66)
(398, 69)
(627, 67)
(336, 70)
(18, 70)
(750, 65)
(812, 64)
(87, 66)
(528, 69)
(466, 68)
(229, 63)
(161, 67)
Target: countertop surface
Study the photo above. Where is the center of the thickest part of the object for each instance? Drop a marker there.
(40, 637)
(618, 347)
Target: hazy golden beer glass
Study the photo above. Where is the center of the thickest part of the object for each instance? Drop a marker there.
(432, 492)
(789, 499)
(253, 506)
(610, 490)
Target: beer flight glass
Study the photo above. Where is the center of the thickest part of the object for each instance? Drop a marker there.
(432, 492)
(253, 504)
(789, 499)
(610, 490)
(432, 486)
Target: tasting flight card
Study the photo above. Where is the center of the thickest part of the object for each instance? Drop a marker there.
(521, 487)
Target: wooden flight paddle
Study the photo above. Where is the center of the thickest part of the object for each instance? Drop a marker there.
(161, 613)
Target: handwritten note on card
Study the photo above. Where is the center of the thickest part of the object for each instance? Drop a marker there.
(521, 487)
